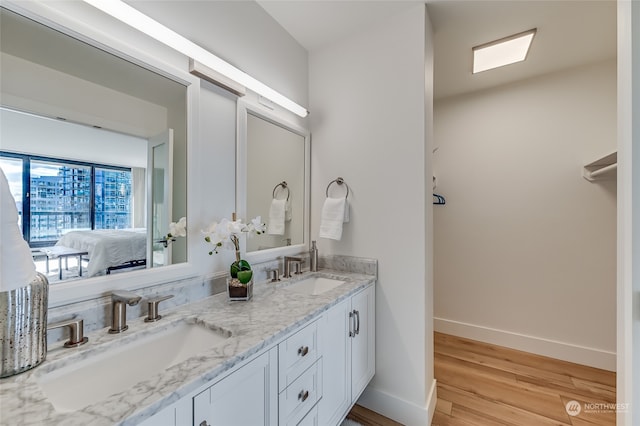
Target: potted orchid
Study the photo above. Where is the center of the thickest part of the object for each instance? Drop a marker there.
(225, 234)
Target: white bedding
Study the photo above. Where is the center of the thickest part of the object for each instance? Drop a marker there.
(107, 247)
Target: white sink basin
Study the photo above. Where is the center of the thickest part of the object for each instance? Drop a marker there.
(93, 379)
(314, 286)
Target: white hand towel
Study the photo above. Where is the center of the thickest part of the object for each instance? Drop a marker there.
(287, 211)
(276, 217)
(346, 210)
(332, 218)
(16, 264)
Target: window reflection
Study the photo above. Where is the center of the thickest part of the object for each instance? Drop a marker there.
(65, 196)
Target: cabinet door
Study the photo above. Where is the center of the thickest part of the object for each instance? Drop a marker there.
(248, 396)
(335, 346)
(176, 414)
(165, 417)
(311, 419)
(363, 343)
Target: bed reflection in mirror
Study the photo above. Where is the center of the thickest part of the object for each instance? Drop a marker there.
(78, 128)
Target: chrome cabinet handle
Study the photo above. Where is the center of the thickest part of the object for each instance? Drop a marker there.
(303, 350)
(351, 333)
(303, 395)
(357, 314)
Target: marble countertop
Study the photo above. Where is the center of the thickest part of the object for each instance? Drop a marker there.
(255, 325)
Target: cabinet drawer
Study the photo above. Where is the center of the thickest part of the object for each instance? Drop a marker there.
(311, 419)
(297, 354)
(302, 395)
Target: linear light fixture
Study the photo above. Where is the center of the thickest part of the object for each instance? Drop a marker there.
(156, 30)
(505, 51)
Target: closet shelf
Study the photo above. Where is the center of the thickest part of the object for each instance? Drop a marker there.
(603, 168)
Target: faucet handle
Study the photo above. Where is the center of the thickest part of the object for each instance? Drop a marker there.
(76, 332)
(128, 297)
(275, 274)
(153, 315)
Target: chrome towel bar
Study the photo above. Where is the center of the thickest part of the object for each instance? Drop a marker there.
(284, 185)
(339, 181)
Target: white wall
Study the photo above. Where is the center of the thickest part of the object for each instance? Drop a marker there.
(525, 248)
(367, 97)
(27, 86)
(628, 378)
(30, 134)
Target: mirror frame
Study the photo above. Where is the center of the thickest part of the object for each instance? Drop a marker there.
(91, 288)
(246, 107)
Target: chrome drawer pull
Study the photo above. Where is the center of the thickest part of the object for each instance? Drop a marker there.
(303, 350)
(357, 313)
(351, 333)
(303, 395)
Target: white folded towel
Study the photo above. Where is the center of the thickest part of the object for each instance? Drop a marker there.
(276, 217)
(16, 264)
(346, 210)
(287, 211)
(332, 218)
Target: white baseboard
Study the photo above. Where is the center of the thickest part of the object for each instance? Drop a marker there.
(432, 400)
(398, 409)
(560, 350)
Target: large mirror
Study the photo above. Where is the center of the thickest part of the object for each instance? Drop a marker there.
(273, 180)
(95, 149)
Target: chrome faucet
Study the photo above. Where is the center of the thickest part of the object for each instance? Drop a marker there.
(153, 314)
(287, 265)
(76, 332)
(121, 299)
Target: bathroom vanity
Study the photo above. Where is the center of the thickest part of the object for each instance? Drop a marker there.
(300, 352)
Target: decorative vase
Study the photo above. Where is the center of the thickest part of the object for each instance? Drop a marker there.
(238, 291)
(240, 284)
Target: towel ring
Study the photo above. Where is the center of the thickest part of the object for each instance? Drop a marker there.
(284, 185)
(339, 181)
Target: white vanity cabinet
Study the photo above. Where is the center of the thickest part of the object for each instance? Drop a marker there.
(248, 396)
(177, 414)
(347, 339)
(311, 377)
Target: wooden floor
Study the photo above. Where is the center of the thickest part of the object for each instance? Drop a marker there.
(367, 417)
(485, 385)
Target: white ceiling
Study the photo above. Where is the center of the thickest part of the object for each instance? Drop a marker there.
(570, 33)
(318, 23)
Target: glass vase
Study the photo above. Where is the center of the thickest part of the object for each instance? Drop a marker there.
(238, 291)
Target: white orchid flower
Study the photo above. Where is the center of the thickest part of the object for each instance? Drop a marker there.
(235, 227)
(178, 229)
(226, 233)
(257, 226)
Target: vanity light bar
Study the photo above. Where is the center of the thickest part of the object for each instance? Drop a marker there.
(206, 73)
(156, 30)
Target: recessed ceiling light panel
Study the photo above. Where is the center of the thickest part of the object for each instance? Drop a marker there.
(505, 51)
